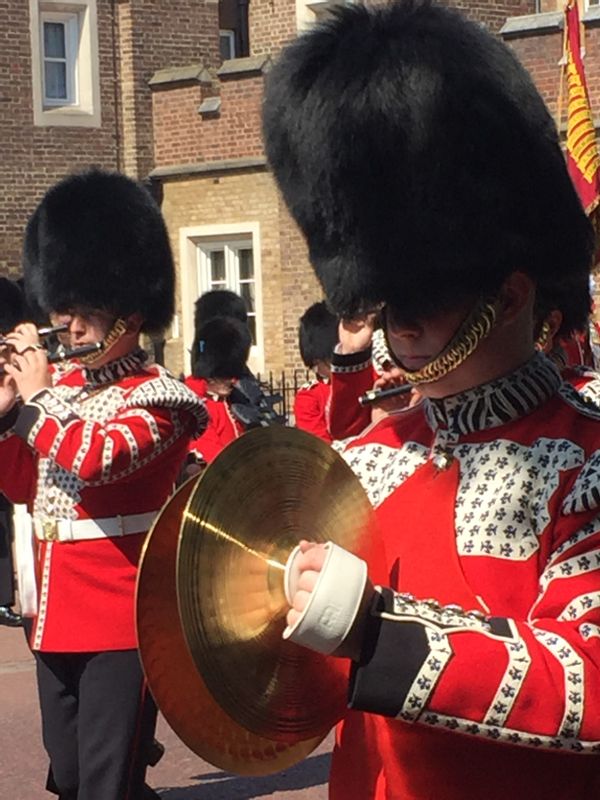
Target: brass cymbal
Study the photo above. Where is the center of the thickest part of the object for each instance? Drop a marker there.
(264, 493)
(176, 684)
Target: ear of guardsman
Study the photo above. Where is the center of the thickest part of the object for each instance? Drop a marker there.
(402, 204)
(98, 240)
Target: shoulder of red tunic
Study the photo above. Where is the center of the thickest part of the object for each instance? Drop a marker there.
(156, 387)
(315, 386)
(197, 385)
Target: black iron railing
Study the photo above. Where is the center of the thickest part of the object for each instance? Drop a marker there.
(285, 384)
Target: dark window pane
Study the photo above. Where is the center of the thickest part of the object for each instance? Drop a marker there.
(246, 264)
(247, 292)
(54, 40)
(217, 266)
(227, 45)
(55, 74)
(252, 327)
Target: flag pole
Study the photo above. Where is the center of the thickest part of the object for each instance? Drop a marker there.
(563, 70)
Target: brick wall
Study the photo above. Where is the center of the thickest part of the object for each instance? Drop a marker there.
(272, 23)
(183, 136)
(139, 38)
(540, 55)
(493, 13)
(33, 158)
(152, 36)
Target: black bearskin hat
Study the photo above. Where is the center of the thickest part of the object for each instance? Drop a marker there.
(219, 303)
(223, 349)
(98, 240)
(421, 163)
(12, 305)
(318, 334)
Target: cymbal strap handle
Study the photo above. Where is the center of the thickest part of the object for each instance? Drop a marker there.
(330, 613)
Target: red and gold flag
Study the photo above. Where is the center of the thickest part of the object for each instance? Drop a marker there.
(582, 149)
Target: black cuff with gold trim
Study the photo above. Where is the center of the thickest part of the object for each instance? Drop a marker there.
(392, 657)
(351, 362)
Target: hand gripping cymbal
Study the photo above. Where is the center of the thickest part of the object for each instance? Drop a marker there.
(264, 493)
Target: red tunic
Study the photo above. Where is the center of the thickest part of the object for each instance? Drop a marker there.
(352, 376)
(311, 408)
(488, 501)
(222, 427)
(101, 444)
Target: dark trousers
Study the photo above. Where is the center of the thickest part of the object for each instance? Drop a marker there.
(7, 584)
(98, 722)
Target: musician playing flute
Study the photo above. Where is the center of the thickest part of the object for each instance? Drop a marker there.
(94, 453)
(426, 174)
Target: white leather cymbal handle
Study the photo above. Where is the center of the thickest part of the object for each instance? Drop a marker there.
(334, 602)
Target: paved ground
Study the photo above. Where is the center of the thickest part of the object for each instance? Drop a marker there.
(180, 775)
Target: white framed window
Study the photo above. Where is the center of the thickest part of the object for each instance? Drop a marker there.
(227, 44)
(65, 66)
(229, 264)
(223, 257)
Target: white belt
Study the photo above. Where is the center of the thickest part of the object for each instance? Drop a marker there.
(67, 530)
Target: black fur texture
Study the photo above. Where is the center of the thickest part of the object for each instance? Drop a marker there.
(421, 164)
(318, 334)
(12, 305)
(223, 347)
(219, 303)
(98, 240)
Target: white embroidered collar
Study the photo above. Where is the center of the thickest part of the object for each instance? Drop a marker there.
(116, 370)
(498, 402)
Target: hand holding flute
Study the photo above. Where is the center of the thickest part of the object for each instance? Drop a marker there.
(390, 393)
(24, 361)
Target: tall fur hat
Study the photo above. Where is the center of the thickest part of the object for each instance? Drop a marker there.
(318, 334)
(223, 349)
(421, 163)
(12, 305)
(98, 239)
(219, 303)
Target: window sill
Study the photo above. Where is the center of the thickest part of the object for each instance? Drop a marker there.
(63, 116)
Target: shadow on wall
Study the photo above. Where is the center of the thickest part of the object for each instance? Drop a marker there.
(309, 773)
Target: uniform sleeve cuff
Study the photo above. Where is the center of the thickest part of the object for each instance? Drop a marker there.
(40, 407)
(351, 362)
(392, 657)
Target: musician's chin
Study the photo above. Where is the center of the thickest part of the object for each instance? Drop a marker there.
(413, 363)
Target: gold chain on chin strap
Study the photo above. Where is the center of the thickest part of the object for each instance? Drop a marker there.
(543, 339)
(471, 333)
(109, 341)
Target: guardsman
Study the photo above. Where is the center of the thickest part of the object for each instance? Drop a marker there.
(317, 338)
(95, 451)
(425, 172)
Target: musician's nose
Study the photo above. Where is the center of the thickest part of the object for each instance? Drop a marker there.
(404, 329)
(77, 325)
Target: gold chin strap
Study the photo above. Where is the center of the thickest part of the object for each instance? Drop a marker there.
(541, 343)
(109, 341)
(472, 332)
